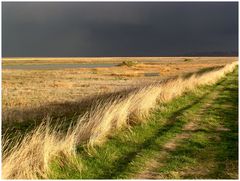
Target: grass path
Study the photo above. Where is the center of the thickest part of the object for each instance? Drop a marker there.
(194, 136)
(193, 117)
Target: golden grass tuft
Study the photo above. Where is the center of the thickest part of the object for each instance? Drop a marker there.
(30, 159)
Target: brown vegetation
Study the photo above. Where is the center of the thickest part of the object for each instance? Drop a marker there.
(59, 60)
(31, 157)
(30, 93)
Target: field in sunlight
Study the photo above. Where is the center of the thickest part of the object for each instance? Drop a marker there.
(87, 139)
(32, 89)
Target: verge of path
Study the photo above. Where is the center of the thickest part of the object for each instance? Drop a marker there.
(140, 153)
(214, 124)
(150, 171)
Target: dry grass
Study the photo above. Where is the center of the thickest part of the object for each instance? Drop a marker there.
(32, 156)
(34, 93)
(59, 60)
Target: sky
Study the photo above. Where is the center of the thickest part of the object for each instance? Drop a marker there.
(90, 29)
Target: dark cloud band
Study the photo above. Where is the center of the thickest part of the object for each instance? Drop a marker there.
(118, 29)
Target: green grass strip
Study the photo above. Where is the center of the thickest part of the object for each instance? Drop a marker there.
(125, 153)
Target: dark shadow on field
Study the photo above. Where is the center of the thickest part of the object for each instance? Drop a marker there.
(203, 71)
(67, 111)
(21, 121)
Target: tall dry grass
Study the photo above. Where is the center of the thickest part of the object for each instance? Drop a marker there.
(32, 157)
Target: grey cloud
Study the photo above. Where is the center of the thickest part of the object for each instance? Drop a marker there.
(118, 29)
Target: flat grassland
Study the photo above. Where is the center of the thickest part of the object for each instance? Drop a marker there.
(76, 60)
(145, 122)
(41, 90)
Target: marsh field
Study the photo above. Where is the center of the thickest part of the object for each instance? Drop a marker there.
(121, 117)
(38, 87)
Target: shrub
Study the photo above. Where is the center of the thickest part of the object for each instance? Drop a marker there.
(187, 60)
(128, 63)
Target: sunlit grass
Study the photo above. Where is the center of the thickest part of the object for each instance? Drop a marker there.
(103, 119)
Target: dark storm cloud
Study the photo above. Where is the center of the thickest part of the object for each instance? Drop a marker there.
(118, 29)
